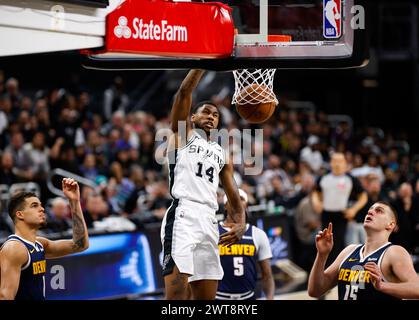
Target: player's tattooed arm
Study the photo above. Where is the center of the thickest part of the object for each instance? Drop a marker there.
(80, 241)
(80, 235)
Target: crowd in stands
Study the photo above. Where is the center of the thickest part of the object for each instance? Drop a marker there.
(114, 147)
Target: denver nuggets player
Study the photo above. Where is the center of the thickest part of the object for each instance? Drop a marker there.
(22, 256)
(189, 230)
(376, 270)
(240, 260)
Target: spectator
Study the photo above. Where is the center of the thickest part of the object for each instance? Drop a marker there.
(12, 91)
(115, 99)
(307, 223)
(371, 167)
(21, 161)
(25, 125)
(94, 143)
(95, 210)
(407, 207)
(119, 188)
(63, 156)
(7, 173)
(67, 127)
(111, 145)
(279, 197)
(137, 177)
(390, 184)
(88, 169)
(58, 216)
(311, 155)
(392, 160)
(129, 137)
(26, 104)
(273, 169)
(146, 156)
(415, 175)
(4, 122)
(44, 125)
(6, 108)
(38, 154)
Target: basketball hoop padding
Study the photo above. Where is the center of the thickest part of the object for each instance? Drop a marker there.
(170, 29)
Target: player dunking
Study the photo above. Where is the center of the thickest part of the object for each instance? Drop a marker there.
(189, 231)
(22, 256)
(376, 270)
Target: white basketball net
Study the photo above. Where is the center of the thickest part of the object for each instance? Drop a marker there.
(254, 86)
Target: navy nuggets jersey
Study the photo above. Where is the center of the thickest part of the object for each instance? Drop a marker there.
(239, 264)
(32, 276)
(354, 283)
(194, 171)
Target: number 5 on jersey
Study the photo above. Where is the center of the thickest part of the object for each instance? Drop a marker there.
(238, 266)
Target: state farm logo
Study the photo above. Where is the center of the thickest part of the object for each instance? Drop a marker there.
(159, 30)
(122, 29)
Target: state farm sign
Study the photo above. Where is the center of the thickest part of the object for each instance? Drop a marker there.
(159, 31)
(185, 29)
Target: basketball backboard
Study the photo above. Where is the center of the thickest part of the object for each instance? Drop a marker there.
(38, 26)
(270, 34)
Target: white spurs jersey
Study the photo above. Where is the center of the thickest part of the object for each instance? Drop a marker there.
(194, 171)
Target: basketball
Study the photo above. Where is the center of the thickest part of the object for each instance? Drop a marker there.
(250, 109)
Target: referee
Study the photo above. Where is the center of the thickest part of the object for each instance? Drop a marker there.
(331, 198)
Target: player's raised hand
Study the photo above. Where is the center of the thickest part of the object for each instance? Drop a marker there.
(235, 234)
(324, 240)
(71, 189)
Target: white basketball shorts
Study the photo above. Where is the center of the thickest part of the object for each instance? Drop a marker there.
(190, 236)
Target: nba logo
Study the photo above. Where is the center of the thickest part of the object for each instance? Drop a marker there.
(332, 19)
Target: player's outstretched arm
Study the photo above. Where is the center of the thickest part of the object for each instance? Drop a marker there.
(402, 267)
(183, 99)
(318, 283)
(321, 280)
(12, 257)
(237, 213)
(80, 241)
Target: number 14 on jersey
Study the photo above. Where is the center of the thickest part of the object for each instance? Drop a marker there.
(208, 172)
